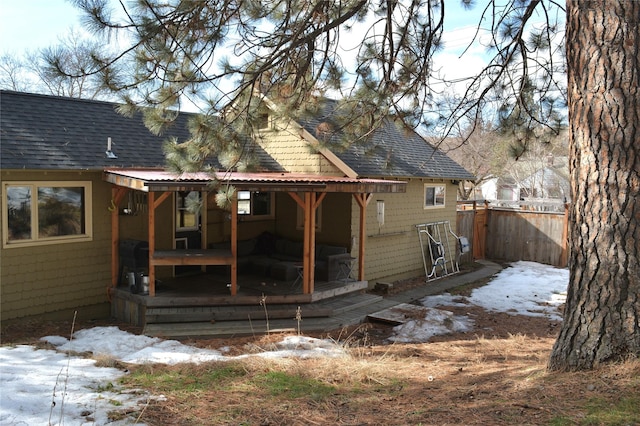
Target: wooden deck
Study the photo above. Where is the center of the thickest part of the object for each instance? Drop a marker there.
(202, 304)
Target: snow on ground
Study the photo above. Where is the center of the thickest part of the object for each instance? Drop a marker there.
(51, 387)
(524, 288)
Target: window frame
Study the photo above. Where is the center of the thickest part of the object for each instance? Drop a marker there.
(183, 209)
(264, 119)
(35, 239)
(251, 215)
(435, 204)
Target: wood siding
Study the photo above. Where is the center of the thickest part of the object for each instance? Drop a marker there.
(64, 277)
(393, 250)
(285, 144)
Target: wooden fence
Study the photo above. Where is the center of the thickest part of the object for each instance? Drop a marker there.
(512, 235)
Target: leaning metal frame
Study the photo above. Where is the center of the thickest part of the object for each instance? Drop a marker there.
(433, 233)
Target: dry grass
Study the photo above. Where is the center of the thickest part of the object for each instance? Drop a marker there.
(479, 381)
(498, 377)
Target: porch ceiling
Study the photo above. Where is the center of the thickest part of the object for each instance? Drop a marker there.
(163, 181)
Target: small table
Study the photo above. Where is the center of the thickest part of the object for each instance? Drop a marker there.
(300, 270)
(345, 269)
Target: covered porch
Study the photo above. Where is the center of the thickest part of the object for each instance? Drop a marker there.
(232, 288)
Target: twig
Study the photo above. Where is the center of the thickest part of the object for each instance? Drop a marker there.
(66, 379)
(263, 303)
(298, 318)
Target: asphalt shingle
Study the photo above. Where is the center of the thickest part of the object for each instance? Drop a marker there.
(390, 152)
(59, 133)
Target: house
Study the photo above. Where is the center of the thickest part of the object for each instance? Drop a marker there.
(82, 186)
(536, 179)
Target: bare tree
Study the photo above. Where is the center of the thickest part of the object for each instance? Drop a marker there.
(225, 52)
(474, 147)
(12, 73)
(64, 69)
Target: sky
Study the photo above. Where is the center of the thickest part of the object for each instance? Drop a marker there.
(51, 386)
(32, 24)
(29, 25)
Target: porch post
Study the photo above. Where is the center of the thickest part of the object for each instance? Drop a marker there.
(153, 204)
(309, 206)
(362, 200)
(117, 194)
(309, 246)
(234, 244)
(152, 242)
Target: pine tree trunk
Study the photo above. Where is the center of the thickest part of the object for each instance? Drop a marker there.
(602, 314)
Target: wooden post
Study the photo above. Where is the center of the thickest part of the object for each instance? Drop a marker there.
(309, 205)
(154, 203)
(308, 247)
(362, 200)
(117, 193)
(234, 244)
(152, 242)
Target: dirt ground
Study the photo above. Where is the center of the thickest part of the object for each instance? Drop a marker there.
(493, 375)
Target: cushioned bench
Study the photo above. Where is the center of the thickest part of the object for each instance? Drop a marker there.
(281, 259)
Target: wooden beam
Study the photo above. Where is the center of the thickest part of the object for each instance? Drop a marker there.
(297, 199)
(161, 199)
(152, 242)
(309, 247)
(318, 201)
(362, 200)
(234, 244)
(204, 241)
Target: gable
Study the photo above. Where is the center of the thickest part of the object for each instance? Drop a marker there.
(390, 152)
(281, 140)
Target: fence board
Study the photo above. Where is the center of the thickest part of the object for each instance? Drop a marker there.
(464, 228)
(534, 236)
(513, 235)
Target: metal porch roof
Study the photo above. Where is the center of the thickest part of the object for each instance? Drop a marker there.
(161, 181)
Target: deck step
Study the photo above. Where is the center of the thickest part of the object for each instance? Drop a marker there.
(323, 316)
(324, 308)
(349, 302)
(230, 313)
(249, 328)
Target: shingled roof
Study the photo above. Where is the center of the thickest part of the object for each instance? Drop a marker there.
(391, 151)
(42, 132)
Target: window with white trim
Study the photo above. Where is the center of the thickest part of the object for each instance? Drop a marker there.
(434, 195)
(187, 218)
(46, 212)
(255, 204)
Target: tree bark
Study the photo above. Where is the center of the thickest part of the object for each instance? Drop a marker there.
(602, 314)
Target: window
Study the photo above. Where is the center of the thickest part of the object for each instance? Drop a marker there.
(263, 118)
(46, 212)
(255, 204)
(434, 196)
(300, 218)
(187, 211)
